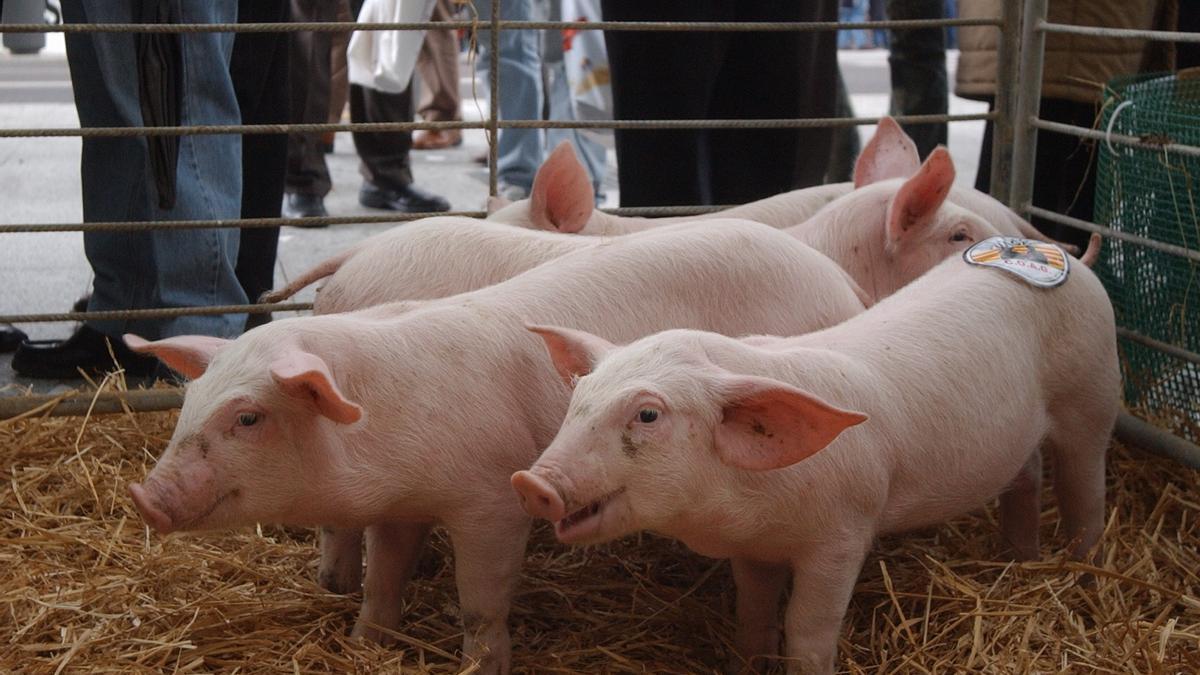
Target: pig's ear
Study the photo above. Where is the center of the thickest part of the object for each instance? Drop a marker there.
(495, 203)
(188, 355)
(307, 376)
(562, 198)
(573, 352)
(889, 154)
(767, 424)
(919, 198)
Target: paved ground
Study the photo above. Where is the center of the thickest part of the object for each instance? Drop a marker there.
(46, 272)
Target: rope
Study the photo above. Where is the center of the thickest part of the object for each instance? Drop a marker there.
(384, 127)
(344, 26)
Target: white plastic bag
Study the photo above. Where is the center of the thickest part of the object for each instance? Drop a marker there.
(586, 61)
(384, 59)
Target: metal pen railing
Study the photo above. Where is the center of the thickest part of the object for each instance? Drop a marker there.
(10, 407)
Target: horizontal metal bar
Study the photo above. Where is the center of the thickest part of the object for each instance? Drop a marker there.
(385, 127)
(345, 26)
(247, 223)
(159, 313)
(251, 223)
(1127, 33)
(1120, 139)
(1109, 232)
(79, 403)
(1164, 347)
(1138, 433)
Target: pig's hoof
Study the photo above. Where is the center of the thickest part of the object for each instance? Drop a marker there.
(371, 633)
(339, 583)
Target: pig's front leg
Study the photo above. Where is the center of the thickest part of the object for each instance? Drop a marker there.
(393, 550)
(340, 569)
(1021, 509)
(759, 589)
(487, 563)
(822, 581)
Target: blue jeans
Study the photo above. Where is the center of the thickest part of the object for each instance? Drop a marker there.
(591, 153)
(521, 92)
(158, 268)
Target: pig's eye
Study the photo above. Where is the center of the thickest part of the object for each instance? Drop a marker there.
(647, 415)
(960, 235)
(247, 419)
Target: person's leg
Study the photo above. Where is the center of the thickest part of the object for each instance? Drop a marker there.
(155, 268)
(1065, 173)
(846, 143)
(918, 65)
(521, 95)
(385, 166)
(437, 64)
(308, 178)
(259, 69)
(663, 76)
(159, 267)
(774, 75)
(589, 151)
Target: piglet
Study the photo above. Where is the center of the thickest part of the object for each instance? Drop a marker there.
(790, 455)
(562, 200)
(884, 234)
(395, 419)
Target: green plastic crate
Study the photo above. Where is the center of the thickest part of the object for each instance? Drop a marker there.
(1156, 195)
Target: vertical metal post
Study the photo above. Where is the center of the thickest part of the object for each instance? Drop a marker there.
(494, 93)
(1007, 63)
(1033, 54)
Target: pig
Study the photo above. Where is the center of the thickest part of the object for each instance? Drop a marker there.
(395, 419)
(884, 234)
(562, 198)
(790, 455)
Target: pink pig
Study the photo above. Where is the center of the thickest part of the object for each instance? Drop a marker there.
(884, 234)
(395, 419)
(790, 455)
(562, 198)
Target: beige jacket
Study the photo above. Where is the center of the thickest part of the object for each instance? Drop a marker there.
(1076, 67)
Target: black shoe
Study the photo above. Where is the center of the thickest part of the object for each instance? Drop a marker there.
(11, 337)
(300, 205)
(87, 349)
(407, 199)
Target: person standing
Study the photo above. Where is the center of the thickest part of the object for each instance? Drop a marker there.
(720, 75)
(385, 164)
(917, 60)
(123, 181)
(437, 62)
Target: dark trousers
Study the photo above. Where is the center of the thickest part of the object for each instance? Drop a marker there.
(917, 60)
(385, 156)
(709, 75)
(1064, 173)
(259, 70)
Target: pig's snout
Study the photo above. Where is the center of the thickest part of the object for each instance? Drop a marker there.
(538, 496)
(154, 516)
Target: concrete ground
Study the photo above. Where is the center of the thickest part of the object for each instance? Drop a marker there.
(46, 272)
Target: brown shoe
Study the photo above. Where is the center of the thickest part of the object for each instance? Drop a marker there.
(436, 139)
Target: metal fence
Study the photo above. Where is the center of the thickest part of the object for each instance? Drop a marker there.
(1034, 29)
(1014, 143)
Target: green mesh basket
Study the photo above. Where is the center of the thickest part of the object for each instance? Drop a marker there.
(1156, 195)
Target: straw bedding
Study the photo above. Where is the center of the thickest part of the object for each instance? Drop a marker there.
(86, 587)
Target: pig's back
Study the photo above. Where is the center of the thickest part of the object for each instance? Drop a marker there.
(738, 276)
(970, 365)
(436, 258)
